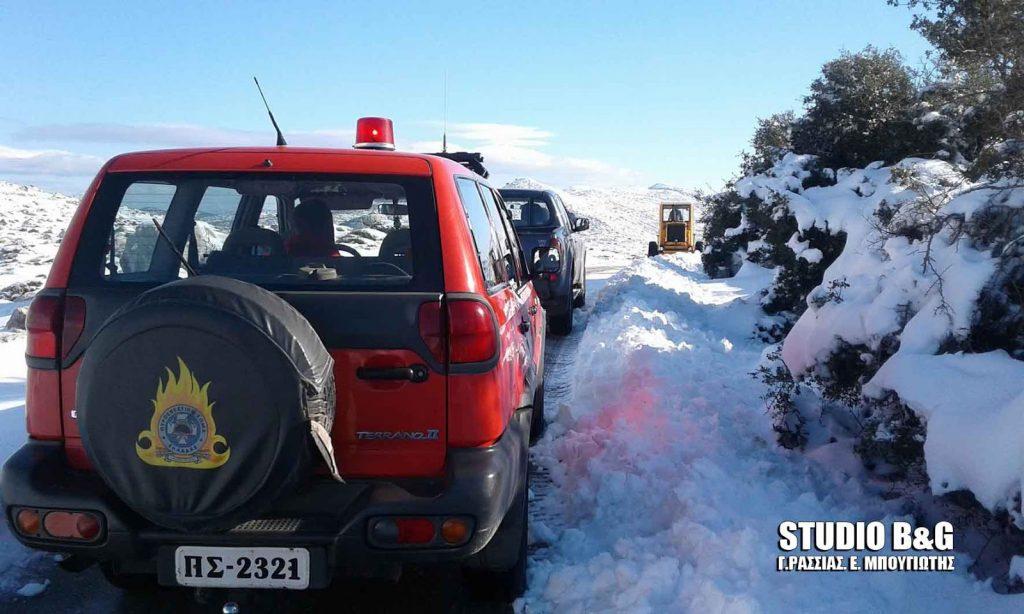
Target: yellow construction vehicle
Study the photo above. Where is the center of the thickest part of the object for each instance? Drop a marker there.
(675, 230)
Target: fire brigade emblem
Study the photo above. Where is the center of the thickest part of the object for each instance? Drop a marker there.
(182, 432)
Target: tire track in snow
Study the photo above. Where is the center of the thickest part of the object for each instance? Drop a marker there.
(546, 516)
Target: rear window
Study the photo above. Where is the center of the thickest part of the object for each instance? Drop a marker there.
(531, 211)
(304, 231)
(675, 214)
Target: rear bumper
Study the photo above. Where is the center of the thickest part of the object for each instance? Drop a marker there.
(333, 518)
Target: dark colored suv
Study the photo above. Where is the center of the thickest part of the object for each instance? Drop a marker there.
(558, 256)
(260, 367)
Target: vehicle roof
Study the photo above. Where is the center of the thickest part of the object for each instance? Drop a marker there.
(286, 159)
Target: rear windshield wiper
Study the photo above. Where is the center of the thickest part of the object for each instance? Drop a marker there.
(184, 261)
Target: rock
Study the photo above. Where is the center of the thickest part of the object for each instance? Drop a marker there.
(20, 290)
(18, 318)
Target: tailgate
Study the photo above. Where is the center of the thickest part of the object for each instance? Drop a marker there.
(384, 425)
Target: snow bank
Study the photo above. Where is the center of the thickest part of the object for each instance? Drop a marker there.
(887, 291)
(887, 276)
(668, 489)
(974, 407)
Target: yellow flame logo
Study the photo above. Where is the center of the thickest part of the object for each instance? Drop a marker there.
(182, 432)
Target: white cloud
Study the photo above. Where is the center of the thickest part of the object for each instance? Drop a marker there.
(53, 162)
(510, 151)
(176, 135)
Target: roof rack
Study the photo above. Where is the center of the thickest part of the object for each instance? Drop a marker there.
(472, 160)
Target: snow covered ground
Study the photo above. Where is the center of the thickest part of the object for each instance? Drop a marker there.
(667, 486)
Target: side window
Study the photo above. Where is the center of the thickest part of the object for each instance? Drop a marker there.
(133, 237)
(216, 210)
(563, 213)
(480, 225)
(513, 239)
(505, 244)
(270, 216)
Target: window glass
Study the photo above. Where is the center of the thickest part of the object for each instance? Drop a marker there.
(324, 231)
(506, 245)
(215, 214)
(268, 216)
(564, 213)
(483, 235)
(529, 212)
(675, 214)
(366, 230)
(133, 236)
(517, 245)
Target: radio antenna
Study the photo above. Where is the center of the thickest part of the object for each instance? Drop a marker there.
(444, 128)
(280, 137)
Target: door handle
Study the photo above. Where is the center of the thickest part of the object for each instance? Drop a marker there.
(415, 373)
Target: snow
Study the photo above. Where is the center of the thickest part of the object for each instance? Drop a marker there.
(882, 285)
(668, 486)
(974, 407)
(32, 223)
(1017, 568)
(33, 589)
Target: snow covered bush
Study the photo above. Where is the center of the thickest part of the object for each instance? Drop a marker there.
(743, 224)
(928, 252)
(881, 270)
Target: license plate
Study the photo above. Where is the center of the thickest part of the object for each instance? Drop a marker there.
(242, 567)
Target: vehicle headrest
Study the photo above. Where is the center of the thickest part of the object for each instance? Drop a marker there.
(253, 241)
(536, 214)
(396, 244)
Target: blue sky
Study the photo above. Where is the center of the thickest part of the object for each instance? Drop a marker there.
(599, 93)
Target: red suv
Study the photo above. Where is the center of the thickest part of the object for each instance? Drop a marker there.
(260, 367)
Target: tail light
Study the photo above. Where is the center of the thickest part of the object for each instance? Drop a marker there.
(431, 324)
(471, 332)
(44, 326)
(399, 531)
(54, 324)
(58, 524)
(472, 335)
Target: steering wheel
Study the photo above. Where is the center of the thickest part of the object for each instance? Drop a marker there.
(347, 249)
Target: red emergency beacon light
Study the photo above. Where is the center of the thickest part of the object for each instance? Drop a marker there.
(375, 133)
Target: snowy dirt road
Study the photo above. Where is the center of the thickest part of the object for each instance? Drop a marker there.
(664, 487)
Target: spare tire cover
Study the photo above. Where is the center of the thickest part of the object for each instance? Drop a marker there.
(204, 400)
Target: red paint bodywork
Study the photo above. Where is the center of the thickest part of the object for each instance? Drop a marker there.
(466, 409)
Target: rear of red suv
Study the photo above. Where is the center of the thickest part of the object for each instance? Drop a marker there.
(261, 367)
